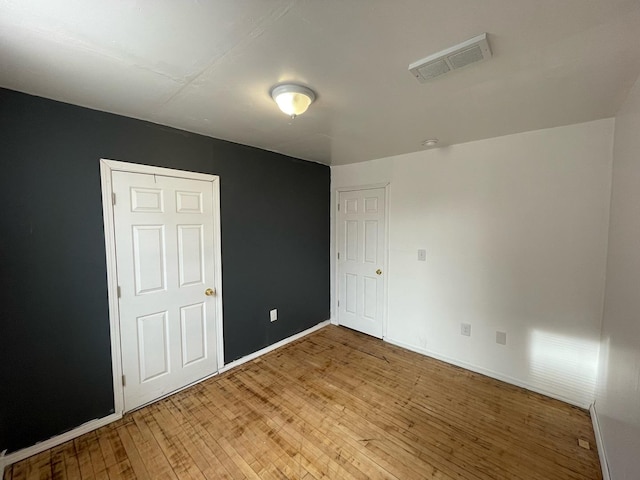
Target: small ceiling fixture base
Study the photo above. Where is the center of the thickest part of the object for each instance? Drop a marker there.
(293, 99)
(432, 142)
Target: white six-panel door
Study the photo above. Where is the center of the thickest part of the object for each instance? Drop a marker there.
(361, 250)
(164, 238)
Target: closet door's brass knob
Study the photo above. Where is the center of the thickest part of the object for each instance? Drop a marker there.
(209, 292)
(379, 272)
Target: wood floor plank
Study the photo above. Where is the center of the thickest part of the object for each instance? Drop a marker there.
(39, 466)
(19, 470)
(121, 471)
(58, 470)
(167, 417)
(97, 460)
(231, 441)
(336, 404)
(151, 453)
(84, 457)
(133, 449)
(179, 458)
(106, 443)
(287, 449)
(216, 435)
(70, 457)
(214, 467)
(320, 450)
(207, 437)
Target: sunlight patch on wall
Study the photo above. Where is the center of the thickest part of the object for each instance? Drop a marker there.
(603, 366)
(564, 365)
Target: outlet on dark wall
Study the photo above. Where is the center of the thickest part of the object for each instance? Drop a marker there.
(55, 358)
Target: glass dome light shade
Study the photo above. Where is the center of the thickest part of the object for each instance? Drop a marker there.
(293, 99)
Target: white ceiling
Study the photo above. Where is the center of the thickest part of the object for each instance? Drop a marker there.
(208, 66)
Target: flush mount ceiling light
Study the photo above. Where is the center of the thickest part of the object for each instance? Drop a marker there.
(293, 99)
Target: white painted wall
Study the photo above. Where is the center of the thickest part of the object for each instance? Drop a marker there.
(515, 230)
(618, 392)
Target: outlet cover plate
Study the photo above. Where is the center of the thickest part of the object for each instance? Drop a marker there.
(501, 338)
(465, 329)
(273, 314)
(422, 255)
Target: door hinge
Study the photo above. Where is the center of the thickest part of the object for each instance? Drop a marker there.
(338, 255)
(338, 302)
(124, 381)
(119, 291)
(338, 207)
(113, 198)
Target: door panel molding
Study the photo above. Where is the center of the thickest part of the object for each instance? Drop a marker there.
(107, 167)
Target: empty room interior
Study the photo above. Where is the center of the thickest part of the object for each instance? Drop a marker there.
(297, 239)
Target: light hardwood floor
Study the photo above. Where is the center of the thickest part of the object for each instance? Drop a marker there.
(335, 404)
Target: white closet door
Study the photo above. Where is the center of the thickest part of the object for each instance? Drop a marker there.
(165, 264)
(361, 247)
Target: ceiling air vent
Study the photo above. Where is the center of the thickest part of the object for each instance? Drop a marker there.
(452, 58)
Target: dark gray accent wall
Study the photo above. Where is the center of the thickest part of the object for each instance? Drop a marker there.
(55, 359)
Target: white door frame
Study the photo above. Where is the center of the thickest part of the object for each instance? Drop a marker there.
(385, 261)
(106, 167)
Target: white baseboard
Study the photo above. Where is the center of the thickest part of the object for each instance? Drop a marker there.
(270, 348)
(60, 439)
(487, 372)
(599, 443)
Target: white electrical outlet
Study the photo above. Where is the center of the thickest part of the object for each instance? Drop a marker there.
(465, 329)
(422, 255)
(273, 314)
(501, 338)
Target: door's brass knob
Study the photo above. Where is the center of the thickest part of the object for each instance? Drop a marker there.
(209, 292)
(379, 272)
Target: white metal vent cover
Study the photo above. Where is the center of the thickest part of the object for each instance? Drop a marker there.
(473, 50)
